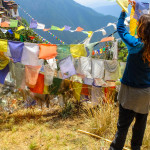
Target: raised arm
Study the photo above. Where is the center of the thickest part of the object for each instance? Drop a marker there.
(133, 44)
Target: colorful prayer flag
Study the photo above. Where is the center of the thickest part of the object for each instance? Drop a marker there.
(5, 24)
(124, 4)
(20, 28)
(3, 45)
(13, 23)
(79, 29)
(33, 24)
(67, 28)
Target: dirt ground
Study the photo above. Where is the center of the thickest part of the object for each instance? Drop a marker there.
(50, 132)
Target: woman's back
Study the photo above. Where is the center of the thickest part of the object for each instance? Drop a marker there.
(137, 72)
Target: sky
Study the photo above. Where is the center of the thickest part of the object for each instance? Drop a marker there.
(98, 3)
(95, 3)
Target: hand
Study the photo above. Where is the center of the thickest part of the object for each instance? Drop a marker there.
(133, 3)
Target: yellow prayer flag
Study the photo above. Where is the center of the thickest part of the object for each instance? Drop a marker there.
(61, 29)
(46, 90)
(124, 4)
(78, 50)
(3, 45)
(17, 36)
(77, 87)
(90, 33)
(20, 28)
(3, 61)
(133, 23)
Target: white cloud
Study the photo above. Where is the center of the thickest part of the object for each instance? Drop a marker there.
(95, 3)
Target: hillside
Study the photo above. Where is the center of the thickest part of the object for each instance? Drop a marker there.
(65, 12)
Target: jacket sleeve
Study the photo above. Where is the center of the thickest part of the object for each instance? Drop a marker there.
(133, 44)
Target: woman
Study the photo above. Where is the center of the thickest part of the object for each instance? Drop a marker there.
(134, 95)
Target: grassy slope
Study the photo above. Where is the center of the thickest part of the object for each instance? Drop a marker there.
(36, 131)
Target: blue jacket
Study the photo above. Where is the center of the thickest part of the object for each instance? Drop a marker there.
(137, 73)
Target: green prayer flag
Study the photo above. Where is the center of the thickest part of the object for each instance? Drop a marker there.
(54, 88)
(63, 51)
(21, 38)
(13, 23)
(54, 28)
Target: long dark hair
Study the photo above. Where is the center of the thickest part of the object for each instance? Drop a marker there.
(143, 32)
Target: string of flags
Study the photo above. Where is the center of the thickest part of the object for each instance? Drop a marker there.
(28, 64)
(40, 37)
(36, 25)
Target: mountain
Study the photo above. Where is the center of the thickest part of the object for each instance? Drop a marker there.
(65, 12)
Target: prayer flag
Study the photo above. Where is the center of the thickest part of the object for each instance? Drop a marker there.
(90, 33)
(67, 28)
(31, 37)
(20, 28)
(107, 39)
(133, 22)
(46, 30)
(4, 31)
(61, 29)
(91, 46)
(63, 51)
(13, 23)
(85, 67)
(67, 67)
(5, 24)
(30, 55)
(77, 87)
(3, 45)
(48, 75)
(54, 28)
(16, 49)
(33, 24)
(54, 88)
(141, 9)
(112, 24)
(79, 29)
(31, 73)
(78, 50)
(101, 30)
(3, 74)
(40, 26)
(47, 51)
(3, 61)
(39, 87)
(10, 31)
(124, 4)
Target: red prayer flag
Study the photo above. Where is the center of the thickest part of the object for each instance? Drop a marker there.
(31, 37)
(39, 87)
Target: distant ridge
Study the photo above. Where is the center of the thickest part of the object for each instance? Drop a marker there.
(65, 12)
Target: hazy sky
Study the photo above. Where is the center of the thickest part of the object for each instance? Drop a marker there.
(97, 3)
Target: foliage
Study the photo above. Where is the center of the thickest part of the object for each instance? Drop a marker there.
(123, 51)
(33, 146)
(67, 110)
(25, 33)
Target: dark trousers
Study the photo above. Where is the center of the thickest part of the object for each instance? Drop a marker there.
(125, 119)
